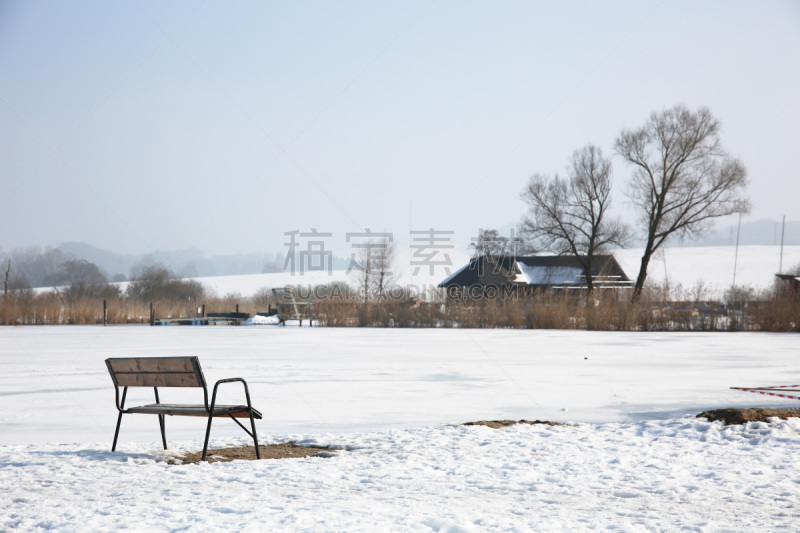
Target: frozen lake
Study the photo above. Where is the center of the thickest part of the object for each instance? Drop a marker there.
(313, 380)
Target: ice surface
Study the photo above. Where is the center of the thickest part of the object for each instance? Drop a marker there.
(391, 398)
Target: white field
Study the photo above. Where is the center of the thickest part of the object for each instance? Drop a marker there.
(634, 458)
(711, 266)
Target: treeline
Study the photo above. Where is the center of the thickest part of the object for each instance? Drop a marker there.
(25, 268)
(77, 290)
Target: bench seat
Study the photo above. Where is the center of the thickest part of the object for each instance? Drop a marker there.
(236, 411)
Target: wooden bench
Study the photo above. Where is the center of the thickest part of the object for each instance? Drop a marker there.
(175, 372)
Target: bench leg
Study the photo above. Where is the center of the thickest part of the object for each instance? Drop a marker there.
(160, 420)
(252, 434)
(120, 407)
(255, 438)
(161, 423)
(116, 433)
(208, 432)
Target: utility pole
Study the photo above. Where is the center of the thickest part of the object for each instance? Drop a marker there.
(736, 256)
(783, 232)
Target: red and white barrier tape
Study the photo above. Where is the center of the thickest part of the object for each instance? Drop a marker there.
(772, 387)
(760, 390)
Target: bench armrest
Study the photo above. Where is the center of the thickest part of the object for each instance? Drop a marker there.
(230, 380)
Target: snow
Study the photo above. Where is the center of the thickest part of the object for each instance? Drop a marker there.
(712, 266)
(541, 275)
(666, 476)
(259, 320)
(248, 284)
(632, 459)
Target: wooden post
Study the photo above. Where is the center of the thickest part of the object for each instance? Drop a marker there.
(152, 315)
(203, 314)
(5, 283)
(105, 314)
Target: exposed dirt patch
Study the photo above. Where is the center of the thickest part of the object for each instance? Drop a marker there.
(286, 450)
(732, 416)
(504, 423)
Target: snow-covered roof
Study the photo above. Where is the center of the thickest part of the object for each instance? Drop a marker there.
(545, 275)
(541, 270)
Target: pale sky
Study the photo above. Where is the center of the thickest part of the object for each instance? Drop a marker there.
(136, 126)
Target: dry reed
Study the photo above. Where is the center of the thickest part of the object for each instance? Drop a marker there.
(658, 310)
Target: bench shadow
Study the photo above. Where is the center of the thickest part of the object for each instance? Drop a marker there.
(100, 455)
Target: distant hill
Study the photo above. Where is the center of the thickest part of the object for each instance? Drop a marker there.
(112, 263)
(189, 263)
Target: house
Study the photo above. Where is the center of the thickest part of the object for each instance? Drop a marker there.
(791, 281)
(493, 277)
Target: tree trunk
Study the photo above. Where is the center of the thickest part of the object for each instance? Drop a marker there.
(589, 280)
(637, 289)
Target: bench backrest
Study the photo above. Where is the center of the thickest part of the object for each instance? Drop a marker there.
(156, 372)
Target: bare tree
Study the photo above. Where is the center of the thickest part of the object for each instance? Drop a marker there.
(84, 279)
(157, 282)
(35, 267)
(373, 267)
(490, 242)
(384, 261)
(570, 216)
(682, 177)
(365, 271)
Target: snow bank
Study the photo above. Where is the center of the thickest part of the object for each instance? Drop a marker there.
(657, 475)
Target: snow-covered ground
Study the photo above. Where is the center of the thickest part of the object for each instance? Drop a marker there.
(634, 460)
(711, 266)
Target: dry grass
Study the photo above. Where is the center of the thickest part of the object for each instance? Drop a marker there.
(731, 416)
(286, 450)
(658, 310)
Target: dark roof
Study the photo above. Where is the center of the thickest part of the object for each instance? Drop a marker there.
(537, 270)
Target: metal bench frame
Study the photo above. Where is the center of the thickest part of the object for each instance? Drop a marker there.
(175, 372)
